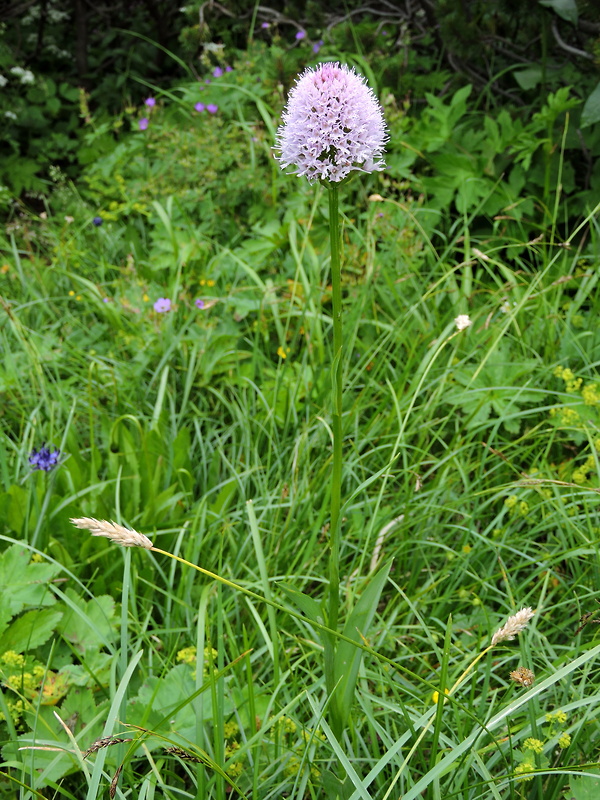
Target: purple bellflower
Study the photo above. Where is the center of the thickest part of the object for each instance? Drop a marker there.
(44, 458)
(332, 124)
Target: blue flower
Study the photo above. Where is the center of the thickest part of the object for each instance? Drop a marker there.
(44, 458)
(97, 221)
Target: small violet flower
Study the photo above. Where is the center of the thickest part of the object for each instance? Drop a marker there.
(199, 303)
(97, 221)
(228, 69)
(332, 124)
(143, 123)
(300, 35)
(150, 102)
(162, 304)
(265, 25)
(217, 72)
(199, 106)
(44, 458)
(317, 46)
(212, 108)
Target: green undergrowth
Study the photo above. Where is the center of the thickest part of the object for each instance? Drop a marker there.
(471, 461)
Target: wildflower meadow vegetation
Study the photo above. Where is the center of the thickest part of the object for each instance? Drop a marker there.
(300, 401)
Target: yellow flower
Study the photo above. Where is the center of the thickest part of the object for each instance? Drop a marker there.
(564, 741)
(436, 695)
(230, 729)
(281, 352)
(533, 744)
(525, 771)
(523, 508)
(590, 394)
(12, 659)
(187, 655)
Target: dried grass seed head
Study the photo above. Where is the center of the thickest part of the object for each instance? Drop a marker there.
(111, 530)
(514, 625)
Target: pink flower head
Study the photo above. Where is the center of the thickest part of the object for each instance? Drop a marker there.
(143, 123)
(332, 124)
(212, 108)
(162, 304)
(199, 106)
(150, 102)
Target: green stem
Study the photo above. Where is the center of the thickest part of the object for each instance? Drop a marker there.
(336, 474)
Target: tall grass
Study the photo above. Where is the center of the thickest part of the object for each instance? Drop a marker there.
(210, 431)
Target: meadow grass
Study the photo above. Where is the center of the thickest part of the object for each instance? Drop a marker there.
(470, 472)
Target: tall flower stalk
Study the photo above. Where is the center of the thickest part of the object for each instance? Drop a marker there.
(333, 125)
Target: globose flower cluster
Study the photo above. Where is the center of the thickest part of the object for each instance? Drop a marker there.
(332, 124)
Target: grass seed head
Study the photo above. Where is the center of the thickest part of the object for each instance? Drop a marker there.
(514, 625)
(117, 533)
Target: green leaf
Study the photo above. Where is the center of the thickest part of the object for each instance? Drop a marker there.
(348, 657)
(306, 604)
(528, 78)
(566, 9)
(23, 583)
(585, 788)
(591, 108)
(500, 386)
(30, 631)
(92, 627)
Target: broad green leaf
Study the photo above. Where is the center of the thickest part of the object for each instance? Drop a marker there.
(23, 583)
(591, 109)
(92, 627)
(348, 657)
(566, 9)
(585, 788)
(528, 78)
(30, 631)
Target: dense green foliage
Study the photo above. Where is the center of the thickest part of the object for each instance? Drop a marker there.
(471, 457)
